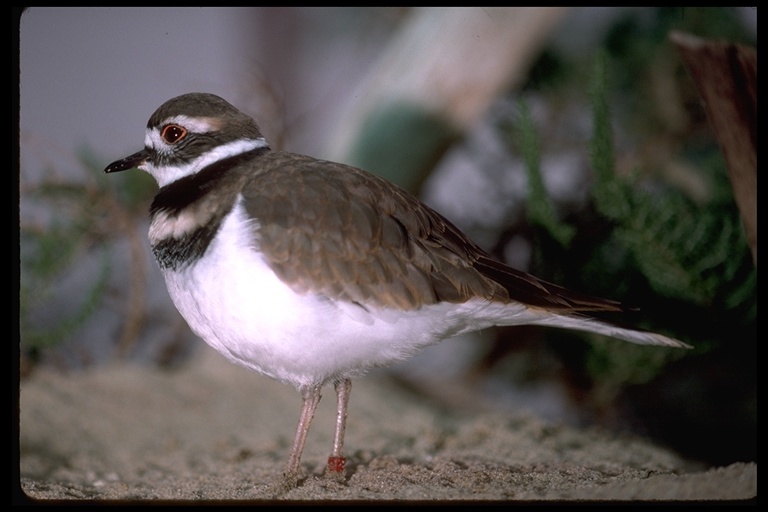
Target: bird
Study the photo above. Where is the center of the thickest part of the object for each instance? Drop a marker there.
(312, 272)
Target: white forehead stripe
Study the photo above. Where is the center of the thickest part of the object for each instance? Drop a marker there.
(193, 124)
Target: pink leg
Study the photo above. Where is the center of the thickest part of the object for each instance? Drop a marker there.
(336, 461)
(310, 398)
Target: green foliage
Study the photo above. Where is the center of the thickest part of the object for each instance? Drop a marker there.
(539, 207)
(35, 290)
(689, 255)
(401, 142)
(47, 255)
(68, 226)
(694, 253)
(616, 365)
(686, 251)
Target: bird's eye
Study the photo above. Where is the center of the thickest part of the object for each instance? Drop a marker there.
(173, 133)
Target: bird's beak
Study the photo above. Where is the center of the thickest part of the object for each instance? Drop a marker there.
(129, 162)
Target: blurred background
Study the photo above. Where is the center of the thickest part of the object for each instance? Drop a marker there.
(570, 142)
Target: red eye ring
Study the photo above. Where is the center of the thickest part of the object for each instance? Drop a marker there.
(173, 133)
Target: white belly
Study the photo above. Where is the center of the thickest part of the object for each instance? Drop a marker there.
(232, 300)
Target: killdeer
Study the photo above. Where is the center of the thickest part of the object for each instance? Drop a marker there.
(311, 272)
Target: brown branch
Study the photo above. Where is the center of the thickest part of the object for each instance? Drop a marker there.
(725, 75)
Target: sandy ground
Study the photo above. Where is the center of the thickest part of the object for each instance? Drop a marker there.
(213, 431)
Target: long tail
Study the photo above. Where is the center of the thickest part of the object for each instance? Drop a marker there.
(585, 323)
(561, 307)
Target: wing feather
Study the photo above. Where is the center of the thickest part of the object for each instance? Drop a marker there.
(347, 234)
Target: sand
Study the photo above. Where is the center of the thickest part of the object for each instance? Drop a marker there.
(210, 431)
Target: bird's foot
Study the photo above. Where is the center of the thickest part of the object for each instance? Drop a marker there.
(336, 464)
(335, 468)
(287, 482)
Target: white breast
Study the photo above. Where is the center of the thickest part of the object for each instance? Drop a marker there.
(232, 300)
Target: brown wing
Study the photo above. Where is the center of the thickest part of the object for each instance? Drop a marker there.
(350, 235)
